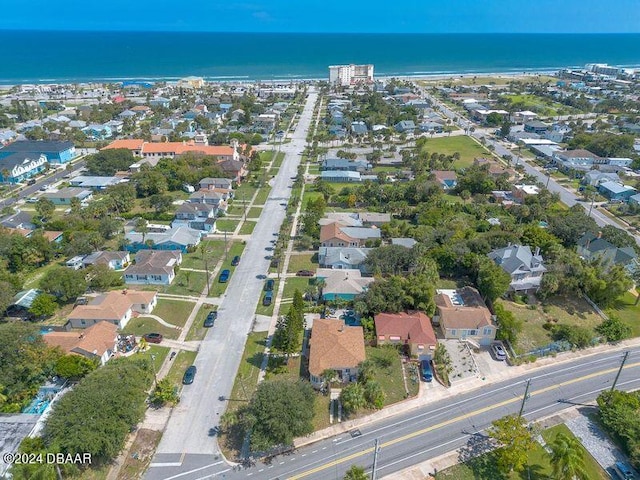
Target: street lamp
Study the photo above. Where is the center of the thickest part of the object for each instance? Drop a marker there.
(153, 366)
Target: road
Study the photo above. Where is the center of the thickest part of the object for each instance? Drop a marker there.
(188, 439)
(441, 427)
(566, 196)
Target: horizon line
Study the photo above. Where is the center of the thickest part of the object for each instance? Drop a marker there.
(4, 29)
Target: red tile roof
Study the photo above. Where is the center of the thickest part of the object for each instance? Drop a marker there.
(414, 327)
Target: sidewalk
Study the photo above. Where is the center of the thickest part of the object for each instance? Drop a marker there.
(455, 390)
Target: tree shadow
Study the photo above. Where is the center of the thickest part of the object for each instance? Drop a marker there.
(484, 467)
(255, 360)
(533, 472)
(477, 445)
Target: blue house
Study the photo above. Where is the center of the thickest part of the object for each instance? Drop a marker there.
(405, 126)
(616, 191)
(345, 165)
(55, 152)
(180, 238)
(19, 166)
(96, 131)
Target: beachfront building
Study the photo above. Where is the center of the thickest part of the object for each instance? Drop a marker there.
(345, 75)
(17, 167)
(54, 152)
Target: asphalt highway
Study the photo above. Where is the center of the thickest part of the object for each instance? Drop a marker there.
(429, 431)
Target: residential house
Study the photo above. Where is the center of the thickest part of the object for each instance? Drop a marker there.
(525, 268)
(236, 169)
(20, 219)
(18, 167)
(596, 177)
(116, 126)
(75, 263)
(335, 346)
(344, 164)
(359, 128)
(160, 102)
(64, 196)
(153, 267)
(211, 183)
(55, 152)
(210, 197)
(99, 341)
(616, 191)
(405, 126)
(619, 161)
(53, 236)
(481, 114)
(536, 126)
(448, 179)
(430, 127)
(21, 303)
(522, 191)
(116, 307)
(524, 116)
(579, 159)
(93, 182)
(591, 247)
(462, 314)
(180, 238)
(374, 219)
(97, 131)
(340, 176)
(493, 168)
(343, 257)
(113, 260)
(335, 235)
(410, 329)
(404, 242)
(634, 199)
(265, 123)
(344, 284)
(199, 216)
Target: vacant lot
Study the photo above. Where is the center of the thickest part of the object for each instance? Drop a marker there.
(465, 146)
(140, 325)
(538, 466)
(304, 261)
(389, 376)
(628, 312)
(292, 284)
(541, 106)
(175, 312)
(561, 310)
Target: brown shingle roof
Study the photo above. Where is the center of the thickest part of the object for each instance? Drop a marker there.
(111, 306)
(413, 326)
(334, 345)
(95, 340)
(473, 314)
(332, 230)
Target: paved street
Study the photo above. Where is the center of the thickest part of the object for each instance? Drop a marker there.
(189, 440)
(429, 431)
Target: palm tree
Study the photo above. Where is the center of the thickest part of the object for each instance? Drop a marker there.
(567, 458)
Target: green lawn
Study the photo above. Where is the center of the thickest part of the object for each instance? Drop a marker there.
(174, 312)
(566, 310)
(262, 196)
(247, 228)
(314, 169)
(628, 312)
(309, 195)
(540, 468)
(188, 283)
(385, 168)
(303, 262)
(214, 250)
(541, 106)
(390, 378)
(254, 212)
(197, 330)
(246, 190)
(278, 160)
(159, 353)
(140, 325)
(293, 283)
(181, 362)
(225, 225)
(464, 145)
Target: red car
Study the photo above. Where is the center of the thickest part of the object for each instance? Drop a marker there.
(153, 337)
(305, 273)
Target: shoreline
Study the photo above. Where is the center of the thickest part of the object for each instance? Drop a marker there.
(438, 75)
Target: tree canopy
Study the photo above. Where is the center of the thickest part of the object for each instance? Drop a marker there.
(108, 162)
(515, 442)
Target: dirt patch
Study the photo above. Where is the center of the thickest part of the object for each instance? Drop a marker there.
(140, 454)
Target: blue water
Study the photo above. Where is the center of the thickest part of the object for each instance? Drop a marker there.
(81, 56)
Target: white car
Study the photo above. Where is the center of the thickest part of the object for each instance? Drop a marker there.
(498, 352)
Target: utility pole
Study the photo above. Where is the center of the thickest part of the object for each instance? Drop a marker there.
(206, 269)
(593, 198)
(624, 359)
(225, 243)
(153, 365)
(376, 449)
(524, 399)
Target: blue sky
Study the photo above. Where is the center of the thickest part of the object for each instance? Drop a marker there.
(408, 16)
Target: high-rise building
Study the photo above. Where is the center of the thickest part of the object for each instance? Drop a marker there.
(346, 75)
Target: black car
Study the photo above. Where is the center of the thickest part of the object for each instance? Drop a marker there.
(235, 261)
(189, 375)
(268, 286)
(211, 318)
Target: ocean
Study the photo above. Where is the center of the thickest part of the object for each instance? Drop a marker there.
(56, 57)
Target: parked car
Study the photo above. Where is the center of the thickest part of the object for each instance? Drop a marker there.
(189, 375)
(153, 337)
(268, 286)
(498, 352)
(235, 261)
(32, 200)
(425, 370)
(305, 273)
(623, 471)
(211, 318)
(31, 182)
(268, 297)
(224, 276)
